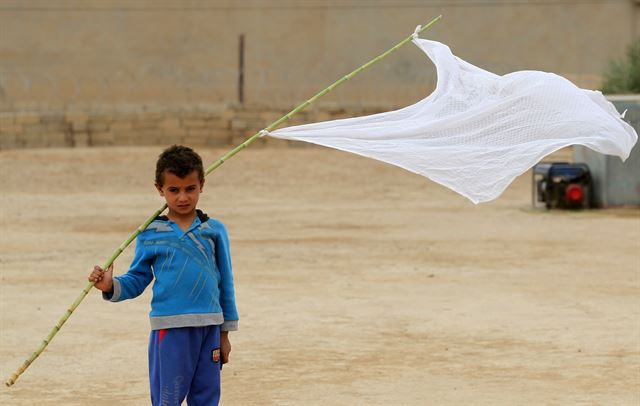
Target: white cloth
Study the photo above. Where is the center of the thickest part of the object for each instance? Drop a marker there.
(478, 131)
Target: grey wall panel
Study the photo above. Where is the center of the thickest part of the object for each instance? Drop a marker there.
(616, 183)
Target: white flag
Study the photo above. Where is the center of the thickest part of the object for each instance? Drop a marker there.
(478, 131)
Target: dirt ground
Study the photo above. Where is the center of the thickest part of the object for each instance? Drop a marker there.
(357, 284)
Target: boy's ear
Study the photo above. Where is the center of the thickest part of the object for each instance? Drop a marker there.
(201, 185)
(159, 189)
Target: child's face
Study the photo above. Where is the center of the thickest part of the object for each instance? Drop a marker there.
(181, 194)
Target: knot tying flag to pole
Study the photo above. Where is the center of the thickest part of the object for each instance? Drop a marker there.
(416, 32)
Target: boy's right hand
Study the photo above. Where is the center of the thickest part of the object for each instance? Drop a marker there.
(103, 279)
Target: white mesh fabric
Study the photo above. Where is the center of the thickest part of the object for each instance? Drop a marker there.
(478, 131)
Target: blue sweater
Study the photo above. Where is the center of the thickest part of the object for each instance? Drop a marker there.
(193, 280)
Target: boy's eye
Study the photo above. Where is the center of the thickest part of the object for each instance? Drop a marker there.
(191, 188)
(173, 190)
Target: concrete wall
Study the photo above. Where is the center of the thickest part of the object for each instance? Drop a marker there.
(104, 57)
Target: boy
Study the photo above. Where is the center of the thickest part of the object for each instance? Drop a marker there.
(193, 305)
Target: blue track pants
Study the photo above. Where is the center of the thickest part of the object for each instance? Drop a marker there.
(185, 362)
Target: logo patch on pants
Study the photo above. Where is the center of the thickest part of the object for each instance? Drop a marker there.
(215, 355)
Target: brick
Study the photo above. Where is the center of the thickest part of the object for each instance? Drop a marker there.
(27, 119)
(212, 109)
(237, 124)
(333, 108)
(9, 141)
(256, 123)
(218, 123)
(79, 126)
(174, 131)
(219, 139)
(147, 136)
(170, 123)
(151, 116)
(123, 137)
(33, 140)
(246, 115)
(57, 139)
(107, 117)
(195, 140)
(98, 125)
(122, 125)
(320, 116)
(269, 116)
(224, 116)
(11, 129)
(78, 121)
(171, 138)
(205, 132)
(76, 116)
(195, 123)
(145, 125)
(101, 138)
(80, 139)
(297, 121)
(32, 129)
(6, 120)
(189, 114)
(202, 136)
(173, 135)
(53, 124)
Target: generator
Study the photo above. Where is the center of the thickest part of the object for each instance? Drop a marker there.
(561, 185)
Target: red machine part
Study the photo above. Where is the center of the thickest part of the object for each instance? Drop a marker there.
(574, 193)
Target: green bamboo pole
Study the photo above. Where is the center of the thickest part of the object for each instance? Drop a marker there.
(14, 377)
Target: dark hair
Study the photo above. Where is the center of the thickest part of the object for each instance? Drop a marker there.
(180, 161)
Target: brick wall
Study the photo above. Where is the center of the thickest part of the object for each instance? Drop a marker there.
(214, 125)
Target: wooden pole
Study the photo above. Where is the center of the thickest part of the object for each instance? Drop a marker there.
(14, 377)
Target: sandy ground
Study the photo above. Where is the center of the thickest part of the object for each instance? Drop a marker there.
(358, 284)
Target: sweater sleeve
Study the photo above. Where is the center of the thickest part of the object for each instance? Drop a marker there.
(134, 282)
(227, 292)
